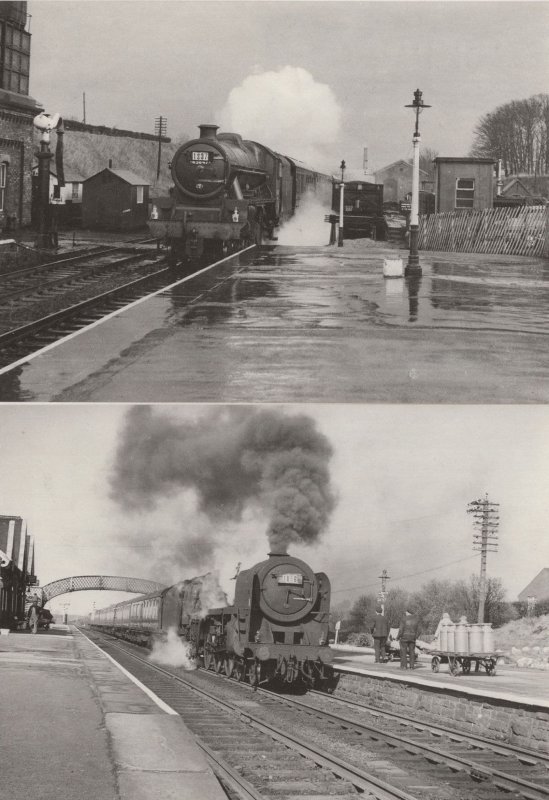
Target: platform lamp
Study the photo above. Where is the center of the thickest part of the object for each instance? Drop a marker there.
(341, 196)
(45, 123)
(413, 267)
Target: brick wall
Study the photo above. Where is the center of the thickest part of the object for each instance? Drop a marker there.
(503, 721)
(16, 148)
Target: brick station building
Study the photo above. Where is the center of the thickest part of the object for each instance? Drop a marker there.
(17, 111)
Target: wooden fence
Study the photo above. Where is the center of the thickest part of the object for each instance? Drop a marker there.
(518, 231)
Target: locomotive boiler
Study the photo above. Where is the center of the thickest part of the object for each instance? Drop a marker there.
(228, 193)
(275, 631)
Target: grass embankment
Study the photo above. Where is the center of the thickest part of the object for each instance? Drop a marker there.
(525, 641)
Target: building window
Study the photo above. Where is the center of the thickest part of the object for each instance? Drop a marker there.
(140, 194)
(74, 191)
(465, 192)
(3, 176)
(14, 59)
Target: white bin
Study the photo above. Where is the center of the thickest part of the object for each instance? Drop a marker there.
(393, 268)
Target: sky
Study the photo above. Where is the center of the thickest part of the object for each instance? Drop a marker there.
(402, 477)
(318, 81)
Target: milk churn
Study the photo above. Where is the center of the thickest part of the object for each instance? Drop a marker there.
(476, 639)
(462, 636)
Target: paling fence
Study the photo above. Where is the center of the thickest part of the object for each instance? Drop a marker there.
(519, 231)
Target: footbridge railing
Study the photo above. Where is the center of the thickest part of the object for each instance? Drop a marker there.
(82, 583)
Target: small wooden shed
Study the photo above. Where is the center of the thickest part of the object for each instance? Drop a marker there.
(115, 199)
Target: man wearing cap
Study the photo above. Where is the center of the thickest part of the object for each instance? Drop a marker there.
(407, 634)
(380, 632)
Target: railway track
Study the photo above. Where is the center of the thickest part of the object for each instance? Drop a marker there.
(23, 340)
(375, 753)
(33, 283)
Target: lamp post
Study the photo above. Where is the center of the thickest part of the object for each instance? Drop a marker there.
(413, 267)
(44, 123)
(341, 196)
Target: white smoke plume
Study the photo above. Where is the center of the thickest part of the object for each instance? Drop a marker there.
(307, 226)
(289, 111)
(172, 652)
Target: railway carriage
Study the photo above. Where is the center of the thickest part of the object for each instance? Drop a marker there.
(275, 631)
(363, 209)
(229, 192)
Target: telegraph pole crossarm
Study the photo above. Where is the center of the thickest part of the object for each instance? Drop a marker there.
(486, 522)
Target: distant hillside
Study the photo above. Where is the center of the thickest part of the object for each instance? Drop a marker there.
(86, 153)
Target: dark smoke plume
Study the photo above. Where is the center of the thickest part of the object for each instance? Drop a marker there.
(232, 458)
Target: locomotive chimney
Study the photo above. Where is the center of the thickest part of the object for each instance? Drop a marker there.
(208, 131)
(277, 555)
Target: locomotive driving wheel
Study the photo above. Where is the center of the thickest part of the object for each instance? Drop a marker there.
(218, 663)
(239, 670)
(208, 659)
(254, 674)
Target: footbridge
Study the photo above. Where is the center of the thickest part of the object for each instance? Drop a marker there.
(83, 583)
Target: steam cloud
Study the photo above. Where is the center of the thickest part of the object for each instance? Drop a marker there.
(232, 459)
(288, 111)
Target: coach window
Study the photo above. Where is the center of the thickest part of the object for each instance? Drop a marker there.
(3, 177)
(140, 194)
(465, 192)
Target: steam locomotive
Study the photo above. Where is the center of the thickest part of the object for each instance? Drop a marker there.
(229, 193)
(275, 632)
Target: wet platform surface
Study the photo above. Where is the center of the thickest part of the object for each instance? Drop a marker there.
(315, 324)
(527, 687)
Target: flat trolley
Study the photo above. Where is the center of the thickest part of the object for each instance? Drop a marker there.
(461, 663)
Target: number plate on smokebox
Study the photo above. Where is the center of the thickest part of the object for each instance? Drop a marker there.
(293, 578)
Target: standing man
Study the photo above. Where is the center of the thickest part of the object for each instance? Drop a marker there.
(407, 634)
(380, 632)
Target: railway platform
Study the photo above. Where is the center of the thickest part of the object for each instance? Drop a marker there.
(512, 705)
(312, 324)
(74, 725)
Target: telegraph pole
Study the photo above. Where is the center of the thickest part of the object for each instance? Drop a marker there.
(382, 595)
(486, 523)
(160, 128)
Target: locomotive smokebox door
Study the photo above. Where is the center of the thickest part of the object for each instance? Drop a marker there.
(288, 589)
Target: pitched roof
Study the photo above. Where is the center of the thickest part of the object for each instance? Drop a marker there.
(123, 174)
(396, 163)
(129, 177)
(536, 185)
(538, 588)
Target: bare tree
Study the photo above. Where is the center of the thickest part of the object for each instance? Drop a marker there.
(426, 161)
(518, 133)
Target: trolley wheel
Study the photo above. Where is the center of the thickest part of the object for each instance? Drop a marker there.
(435, 664)
(454, 666)
(490, 666)
(466, 666)
(228, 666)
(208, 659)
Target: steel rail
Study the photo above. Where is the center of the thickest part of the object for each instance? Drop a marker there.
(229, 775)
(523, 754)
(503, 780)
(358, 777)
(63, 278)
(10, 337)
(48, 266)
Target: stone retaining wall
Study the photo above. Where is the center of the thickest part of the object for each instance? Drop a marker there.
(500, 720)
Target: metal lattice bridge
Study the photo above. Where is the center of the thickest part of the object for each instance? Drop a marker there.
(112, 583)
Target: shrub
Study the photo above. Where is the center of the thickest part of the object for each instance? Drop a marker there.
(361, 639)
